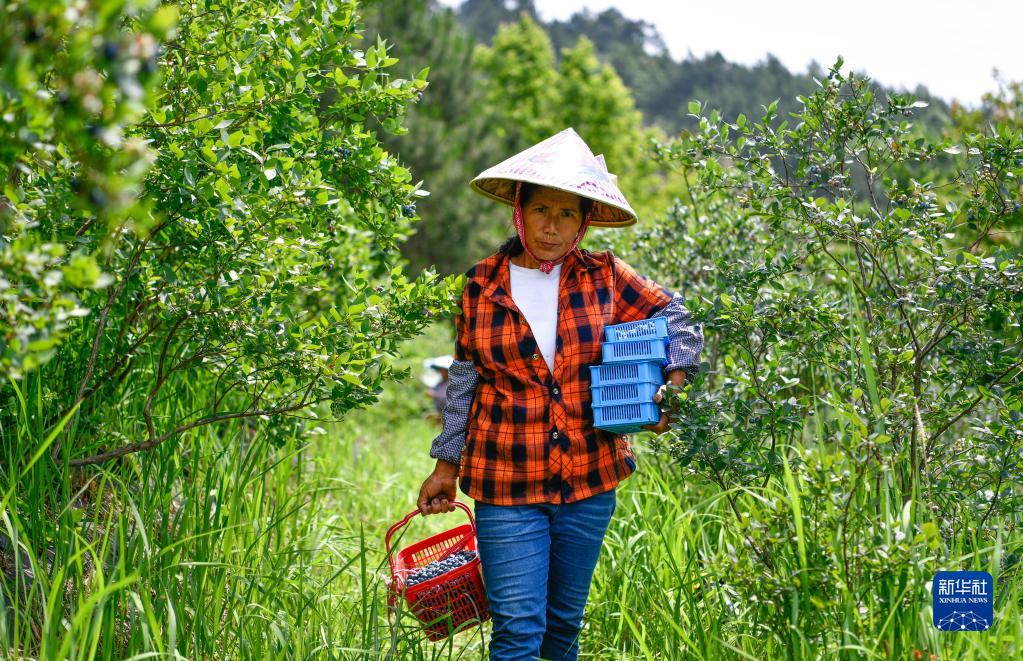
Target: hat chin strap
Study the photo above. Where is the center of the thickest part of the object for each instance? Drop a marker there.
(546, 265)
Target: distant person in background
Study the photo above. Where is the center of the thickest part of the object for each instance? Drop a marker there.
(518, 425)
(435, 378)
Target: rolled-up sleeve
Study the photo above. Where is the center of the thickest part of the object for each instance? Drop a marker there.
(685, 338)
(462, 379)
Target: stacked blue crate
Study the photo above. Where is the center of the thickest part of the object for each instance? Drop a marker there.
(634, 355)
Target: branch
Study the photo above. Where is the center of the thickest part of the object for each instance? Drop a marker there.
(973, 404)
(90, 366)
(153, 442)
(147, 410)
(896, 292)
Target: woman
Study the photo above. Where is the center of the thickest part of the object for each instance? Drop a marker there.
(518, 426)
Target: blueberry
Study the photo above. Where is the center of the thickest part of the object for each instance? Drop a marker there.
(97, 197)
(409, 210)
(345, 152)
(110, 50)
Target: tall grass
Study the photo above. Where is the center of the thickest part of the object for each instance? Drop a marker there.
(224, 546)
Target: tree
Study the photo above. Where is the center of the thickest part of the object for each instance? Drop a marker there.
(662, 85)
(71, 85)
(482, 17)
(532, 100)
(255, 265)
(450, 136)
(865, 357)
(600, 107)
(523, 84)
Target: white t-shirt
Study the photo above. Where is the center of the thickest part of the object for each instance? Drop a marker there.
(536, 295)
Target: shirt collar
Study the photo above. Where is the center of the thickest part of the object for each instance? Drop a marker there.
(497, 282)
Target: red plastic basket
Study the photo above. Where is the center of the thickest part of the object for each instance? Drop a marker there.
(444, 603)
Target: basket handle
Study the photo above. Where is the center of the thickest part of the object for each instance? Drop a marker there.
(408, 517)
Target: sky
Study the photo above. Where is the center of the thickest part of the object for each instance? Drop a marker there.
(949, 46)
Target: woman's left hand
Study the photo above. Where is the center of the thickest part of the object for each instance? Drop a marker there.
(661, 426)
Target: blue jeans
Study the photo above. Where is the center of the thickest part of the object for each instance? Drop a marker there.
(537, 562)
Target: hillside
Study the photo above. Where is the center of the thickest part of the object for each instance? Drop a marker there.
(663, 86)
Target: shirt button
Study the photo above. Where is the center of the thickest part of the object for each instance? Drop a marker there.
(535, 356)
(554, 434)
(555, 390)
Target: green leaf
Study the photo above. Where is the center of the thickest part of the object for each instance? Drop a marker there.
(223, 189)
(163, 19)
(82, 272)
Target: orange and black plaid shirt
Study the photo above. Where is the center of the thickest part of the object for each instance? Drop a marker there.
(530, 436)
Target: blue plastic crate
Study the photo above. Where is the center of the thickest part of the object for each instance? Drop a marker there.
(640, 372)
(626, 418)
(634, 351)
(654, 328)
(624, 393)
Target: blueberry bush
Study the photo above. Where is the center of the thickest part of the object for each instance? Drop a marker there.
(198, 268)
(859, 407)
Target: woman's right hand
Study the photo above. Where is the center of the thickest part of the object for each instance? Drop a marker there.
(439, 490)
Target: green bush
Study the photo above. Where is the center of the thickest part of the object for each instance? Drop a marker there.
(256, 253)
(199, 264)
(860, 402)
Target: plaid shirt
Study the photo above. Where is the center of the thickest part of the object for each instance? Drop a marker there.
(526, 435)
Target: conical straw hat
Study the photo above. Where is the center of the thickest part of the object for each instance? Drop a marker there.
(562, 161)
